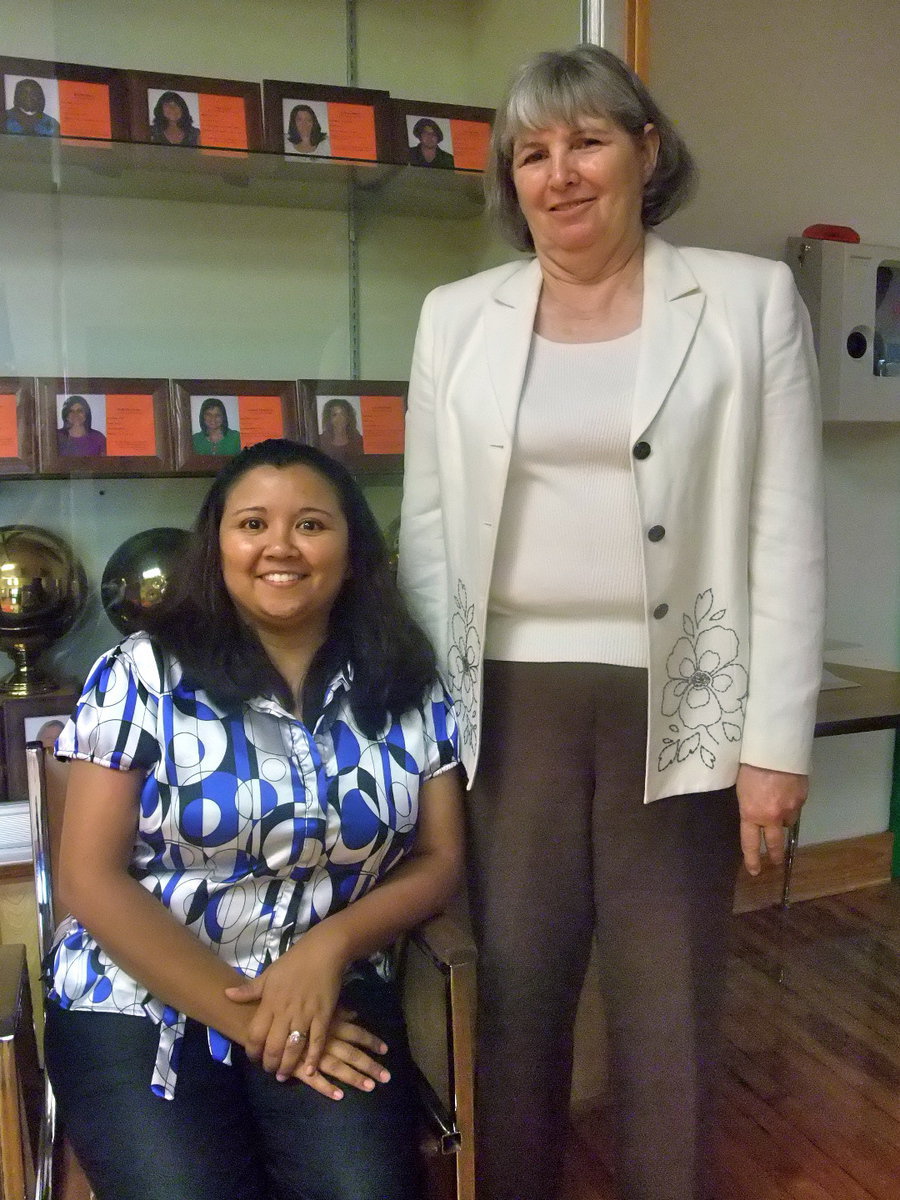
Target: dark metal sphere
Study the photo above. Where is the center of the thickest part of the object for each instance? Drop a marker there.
(136, 575)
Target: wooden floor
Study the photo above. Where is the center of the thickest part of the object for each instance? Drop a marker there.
(809, 1103)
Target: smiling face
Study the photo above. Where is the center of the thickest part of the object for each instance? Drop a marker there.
(284, 547)
(580, 187)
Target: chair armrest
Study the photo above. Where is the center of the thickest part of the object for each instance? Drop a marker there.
(446, 939)
(437, 978)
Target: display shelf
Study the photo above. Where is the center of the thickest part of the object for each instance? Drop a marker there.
(418, 191)
(372, 476)
(134, 170)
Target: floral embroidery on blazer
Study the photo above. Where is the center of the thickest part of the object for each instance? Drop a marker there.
(706, 687)
(464, 664)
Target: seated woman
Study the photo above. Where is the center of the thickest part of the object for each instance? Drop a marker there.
(264, 795)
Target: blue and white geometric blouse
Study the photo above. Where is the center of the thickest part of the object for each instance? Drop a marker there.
(251, 827)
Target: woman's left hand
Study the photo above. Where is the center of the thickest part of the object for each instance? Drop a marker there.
(348, 1059)
(298, 994)
(768, 801)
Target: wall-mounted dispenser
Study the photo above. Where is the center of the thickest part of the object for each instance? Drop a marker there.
(853, 296)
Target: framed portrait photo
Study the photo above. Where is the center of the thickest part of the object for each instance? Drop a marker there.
(103, 426)
(215, 418)
(191, 111)
(454, 137)
(321, 121)
(18, 438)
(360, 422)
(30, 719)
(54, 99)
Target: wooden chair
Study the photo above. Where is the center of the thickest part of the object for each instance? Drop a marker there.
(437, 966)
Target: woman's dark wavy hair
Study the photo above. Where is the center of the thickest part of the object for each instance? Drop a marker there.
(212, 402)
(568, 85)
(330, 407)
(185, 121)
(370, 627)
(316, 135)
(70, 404)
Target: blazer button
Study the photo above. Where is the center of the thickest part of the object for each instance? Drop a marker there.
(656, 533)
(660, 611)
(641, 450)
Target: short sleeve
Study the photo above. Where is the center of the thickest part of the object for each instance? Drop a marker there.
(441, 732)
(115, 721)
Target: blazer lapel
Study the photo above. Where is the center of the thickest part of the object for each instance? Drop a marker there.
(508, 324)
(673, 303)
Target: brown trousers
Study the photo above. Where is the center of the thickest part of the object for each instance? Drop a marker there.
(561, 848)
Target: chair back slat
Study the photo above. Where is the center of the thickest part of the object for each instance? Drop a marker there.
(47, 780)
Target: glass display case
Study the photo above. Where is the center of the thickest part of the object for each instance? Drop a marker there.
(134, 261)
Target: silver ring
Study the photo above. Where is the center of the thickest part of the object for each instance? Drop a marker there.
(295, 1037)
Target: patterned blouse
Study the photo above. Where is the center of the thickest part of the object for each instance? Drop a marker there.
(252, 828)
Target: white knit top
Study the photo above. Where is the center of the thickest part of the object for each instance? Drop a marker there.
(567, 584)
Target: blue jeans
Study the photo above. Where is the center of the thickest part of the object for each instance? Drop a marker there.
(231, 1133)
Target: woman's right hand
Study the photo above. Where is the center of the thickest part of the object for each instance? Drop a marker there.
(347, 1058)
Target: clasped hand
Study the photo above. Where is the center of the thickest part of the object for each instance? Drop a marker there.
(768, 801)
(299, 991)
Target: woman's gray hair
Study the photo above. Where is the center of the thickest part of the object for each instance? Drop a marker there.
(567, 86)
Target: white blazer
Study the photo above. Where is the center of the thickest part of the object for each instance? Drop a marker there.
(727, 473)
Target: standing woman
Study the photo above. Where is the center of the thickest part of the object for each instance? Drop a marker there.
(263, 797)
(612, 529)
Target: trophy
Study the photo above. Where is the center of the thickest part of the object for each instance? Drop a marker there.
(136, 575)
(42, 590)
